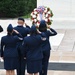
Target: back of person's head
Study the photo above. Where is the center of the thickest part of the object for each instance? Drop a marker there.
(10, 29)
(21, 21)
(42, 26)
(33, 30)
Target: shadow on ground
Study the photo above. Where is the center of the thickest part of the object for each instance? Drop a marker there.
(61, 66)
(56, 66)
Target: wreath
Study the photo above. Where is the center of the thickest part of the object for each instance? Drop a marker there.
(41, 13)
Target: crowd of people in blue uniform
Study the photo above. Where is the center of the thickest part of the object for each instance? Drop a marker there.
(26, 46)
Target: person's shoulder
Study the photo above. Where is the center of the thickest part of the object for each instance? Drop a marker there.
(26, 38)
(4, 37)
(47, 32)
(27, 29)
(38, 36)
(18, 26)
(15, 37)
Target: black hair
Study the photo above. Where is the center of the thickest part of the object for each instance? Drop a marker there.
(33, 30)
(10, 29)
(42, 26)
(9, 33)
(33, 33)
(21, 19)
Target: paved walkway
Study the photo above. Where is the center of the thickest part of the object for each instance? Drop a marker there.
(62, 60)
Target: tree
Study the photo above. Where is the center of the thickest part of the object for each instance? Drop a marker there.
(16, 8)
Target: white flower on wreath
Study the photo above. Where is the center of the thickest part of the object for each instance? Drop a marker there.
(34, 16)
(35, 20)
(49, 12)
(38, 23)
(35, 12)
(46, 15)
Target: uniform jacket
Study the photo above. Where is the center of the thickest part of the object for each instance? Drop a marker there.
(9, 45)
(32, 46)
(46, 45)
(22, 30)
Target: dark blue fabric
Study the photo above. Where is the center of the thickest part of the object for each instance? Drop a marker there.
(33, 29)
(34, 66)
(9, 44)
(22, 62)
(22, 30)
(10, 63)
(42, 23)
(10, 28)
(9, 51)
(46, 55)
(21, 66)
(46, 47)
(33, 50)
(32, 47)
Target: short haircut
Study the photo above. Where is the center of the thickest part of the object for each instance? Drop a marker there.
(21, 19)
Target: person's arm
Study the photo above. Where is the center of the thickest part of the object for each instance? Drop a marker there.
(17, 33)
(1, 29)
(52, 32)
(27, 30)
(2, 45)
(18, 36)
(43, 36)
(27, 26)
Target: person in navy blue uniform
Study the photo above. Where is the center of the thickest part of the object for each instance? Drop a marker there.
(33, 51)
(23, 31)
(1, 29)
(46, 45)
(9, 51)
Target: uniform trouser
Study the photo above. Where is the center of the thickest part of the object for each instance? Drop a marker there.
(21, 67)
(45, 60)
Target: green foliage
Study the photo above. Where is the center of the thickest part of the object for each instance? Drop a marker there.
(16, 8)
(26, 16)
(29, 6)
